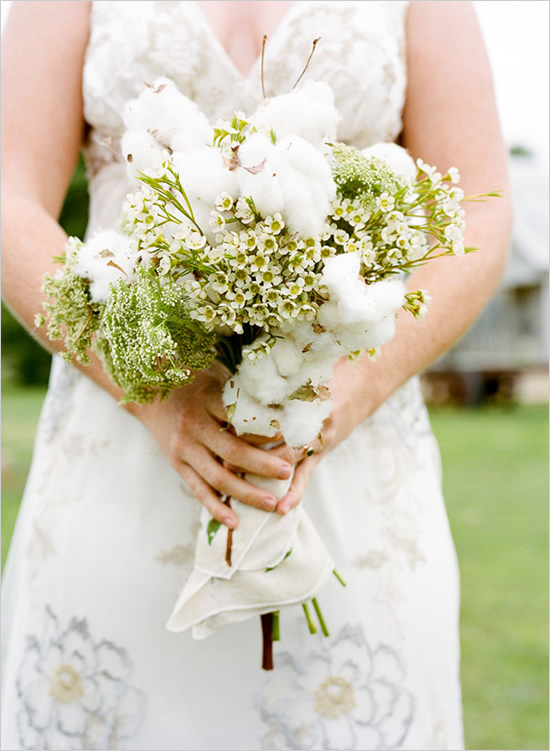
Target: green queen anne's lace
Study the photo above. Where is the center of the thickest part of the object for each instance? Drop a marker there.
(362, 177)
(148, 342)
(70, 313)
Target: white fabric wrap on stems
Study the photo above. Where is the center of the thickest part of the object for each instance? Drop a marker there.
(263, 576)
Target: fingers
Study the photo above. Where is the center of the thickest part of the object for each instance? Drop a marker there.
(241, 456)
(302, 475)
(209, 499)
(220, 479)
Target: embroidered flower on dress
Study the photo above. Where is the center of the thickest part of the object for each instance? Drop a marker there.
(344, 695)
(74, 691)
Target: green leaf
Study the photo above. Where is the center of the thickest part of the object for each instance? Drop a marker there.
(284, 559)
(212, 529)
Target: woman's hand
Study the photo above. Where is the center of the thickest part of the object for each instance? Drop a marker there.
(349, 407)
(191, 428)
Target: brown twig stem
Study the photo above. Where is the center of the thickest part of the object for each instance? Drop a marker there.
(267, 641)
(90, 315)
(264, 40)
(307, 64)
(229, 537)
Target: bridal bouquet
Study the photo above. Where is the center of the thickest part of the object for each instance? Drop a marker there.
(263, 243)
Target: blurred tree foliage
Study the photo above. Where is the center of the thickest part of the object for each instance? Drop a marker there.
(23, 359)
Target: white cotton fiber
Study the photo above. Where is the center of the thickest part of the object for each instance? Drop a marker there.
(329, 315)
(397, 158)
(291, 178)
(368, 336)
(307, 186)
(204, 177)
(388, 296)
(308, 112)
(165, 111)
(324, 347)
(103, 259)
(258, 175)
(250, 415)
(301, 422)
(261, 379)
(287, 356)
(340, 270)
(141, 151)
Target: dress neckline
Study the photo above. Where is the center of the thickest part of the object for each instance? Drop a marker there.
(209, 29)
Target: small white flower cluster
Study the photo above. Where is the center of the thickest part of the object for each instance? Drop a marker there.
(282, 387)
(263, 276)
(446, 219)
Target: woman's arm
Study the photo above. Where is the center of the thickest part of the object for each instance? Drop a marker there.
(43, 50)
(450, 119)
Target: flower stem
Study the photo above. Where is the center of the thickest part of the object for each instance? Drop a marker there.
(312, 628)
(337, 575)
(267, 641)
(275, 627)
(229, 537)
(322, 623)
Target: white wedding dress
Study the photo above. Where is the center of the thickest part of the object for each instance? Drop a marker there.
(106, 532)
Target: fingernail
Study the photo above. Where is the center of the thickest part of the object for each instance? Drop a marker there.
(229, 522)
(268, 504)
(282, 509)
(284, 471)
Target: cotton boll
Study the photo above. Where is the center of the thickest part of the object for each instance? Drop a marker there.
(340, 270)
(329, 315)
(324, 346)
(254, 150)
(189, 139)
(317, 371)
(301, 422)
(264, 189)
(307, 185)
(141, 151)
(261, 379)
(203, 174)
(388, 296)
(258, 175)
(308, 112)
(357, 307)
(194, 133)
(204, 177)
(396, 157)
(103, 260)
(288, 358)
(249, 415)
(367, 337)
(164, 111)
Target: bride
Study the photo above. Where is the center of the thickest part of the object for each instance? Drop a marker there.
(105, 536)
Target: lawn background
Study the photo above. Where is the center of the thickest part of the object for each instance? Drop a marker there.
(496, 485)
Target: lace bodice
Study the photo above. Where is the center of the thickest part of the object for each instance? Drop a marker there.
(361, 54)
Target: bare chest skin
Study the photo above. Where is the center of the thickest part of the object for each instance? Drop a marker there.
(240, 26)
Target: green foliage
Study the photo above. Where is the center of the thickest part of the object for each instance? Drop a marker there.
(23, 359)
(148, 342)
(495, 463)
(362, 177)
(71, 314)
(212, 529)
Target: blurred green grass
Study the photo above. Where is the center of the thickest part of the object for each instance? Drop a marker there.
(496, 485)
